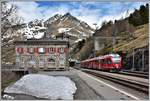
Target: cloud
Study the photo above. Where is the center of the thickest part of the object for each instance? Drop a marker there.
(89, 12)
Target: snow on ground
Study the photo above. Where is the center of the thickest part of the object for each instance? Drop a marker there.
(43, 86)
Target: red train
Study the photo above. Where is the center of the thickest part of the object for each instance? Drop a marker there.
(107, 62)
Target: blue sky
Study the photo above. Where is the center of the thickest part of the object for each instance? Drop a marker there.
(90, 12)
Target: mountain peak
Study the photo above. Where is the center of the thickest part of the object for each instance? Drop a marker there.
(57, 15)
(68, 14)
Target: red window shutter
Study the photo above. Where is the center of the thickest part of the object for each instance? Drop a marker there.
(34, 50)
(28, 50)
(37, 49)
(66, 50)
(57, 50)
(47, 50)
(18, 50)
(54, 49)
(22, 50)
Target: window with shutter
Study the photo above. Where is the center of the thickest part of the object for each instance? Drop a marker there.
(31, 50)
(36, 50)
(41, 50)
(61, 50)
(52, 50)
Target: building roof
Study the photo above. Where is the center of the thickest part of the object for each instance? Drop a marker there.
(42, 42)
(63, 35)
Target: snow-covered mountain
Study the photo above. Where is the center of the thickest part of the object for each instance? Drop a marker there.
(67, 24)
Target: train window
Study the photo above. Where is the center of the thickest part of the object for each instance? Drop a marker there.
(102, 61)
(109, 62)
(105, 61)
(96, 62)
(116, 61)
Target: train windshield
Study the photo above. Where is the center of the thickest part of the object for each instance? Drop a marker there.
(116, 58)
(116, 61)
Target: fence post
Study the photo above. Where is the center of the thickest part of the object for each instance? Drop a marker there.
(143, 59)
(133, 61)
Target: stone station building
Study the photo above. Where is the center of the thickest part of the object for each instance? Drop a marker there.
(42, 54)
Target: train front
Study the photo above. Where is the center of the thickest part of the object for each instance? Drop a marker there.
(116, 61)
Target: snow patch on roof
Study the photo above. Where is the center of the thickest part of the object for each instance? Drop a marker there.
(78, 40)
(43, 86)
(62, 30)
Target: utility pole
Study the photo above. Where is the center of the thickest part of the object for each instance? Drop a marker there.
(114, 35)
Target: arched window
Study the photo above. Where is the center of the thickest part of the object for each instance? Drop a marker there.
(50, 60)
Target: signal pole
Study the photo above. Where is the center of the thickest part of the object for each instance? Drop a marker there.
(114, 36)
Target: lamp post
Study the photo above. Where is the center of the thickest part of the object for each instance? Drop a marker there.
(94, 51)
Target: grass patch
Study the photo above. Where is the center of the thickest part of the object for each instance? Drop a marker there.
(7, 83)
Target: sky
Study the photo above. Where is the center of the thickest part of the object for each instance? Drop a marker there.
(89, 12)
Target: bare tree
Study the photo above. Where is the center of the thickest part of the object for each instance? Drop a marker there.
(9, 24)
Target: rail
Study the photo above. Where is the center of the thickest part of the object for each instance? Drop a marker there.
(136, 74)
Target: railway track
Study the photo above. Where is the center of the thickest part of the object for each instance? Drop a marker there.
(138, 84)
(136, 74)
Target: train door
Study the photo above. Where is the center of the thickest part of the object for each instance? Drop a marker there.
(102, 64)
(99, 64)
(105, 64)
(94, 64)
(109, 63)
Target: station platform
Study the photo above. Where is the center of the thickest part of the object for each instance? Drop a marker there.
(91, 88)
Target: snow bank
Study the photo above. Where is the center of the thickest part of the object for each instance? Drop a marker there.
(43, 86)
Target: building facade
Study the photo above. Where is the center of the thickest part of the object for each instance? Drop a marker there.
(42, 54)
